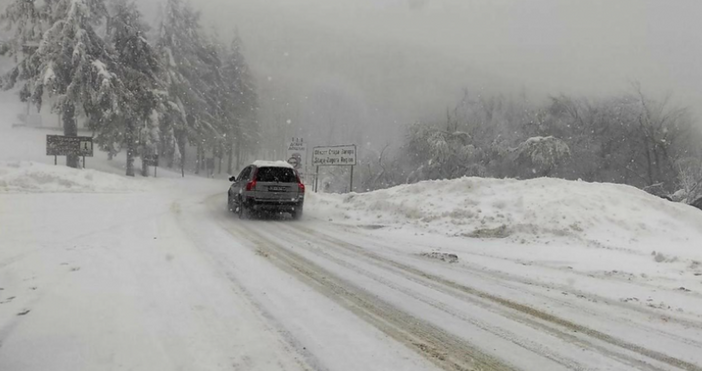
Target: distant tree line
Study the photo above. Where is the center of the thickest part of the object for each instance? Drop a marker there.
(628, 139)
(93, 59)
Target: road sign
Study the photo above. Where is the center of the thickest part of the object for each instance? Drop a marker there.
(334, 156)
(294, 161)
(86, 147)
(151, 160)
(58, 145)
(297, 154)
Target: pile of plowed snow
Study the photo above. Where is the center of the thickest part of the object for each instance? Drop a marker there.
(32, 177)
(519, 210)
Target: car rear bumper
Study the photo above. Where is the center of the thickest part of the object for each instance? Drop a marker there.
(273, 205)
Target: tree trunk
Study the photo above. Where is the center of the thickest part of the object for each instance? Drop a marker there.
(198, 159)
(144, 166)
(182, 159)
(70, 129)
(230, 163)
(130, 148)
(146, 151)
(238, 152)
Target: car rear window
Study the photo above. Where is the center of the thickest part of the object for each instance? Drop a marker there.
(276, 174)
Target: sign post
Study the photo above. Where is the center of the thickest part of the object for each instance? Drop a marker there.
(297, 154)
(86, 146)
(210, 165)
(316, 179)
(335, 156)
(58, 145)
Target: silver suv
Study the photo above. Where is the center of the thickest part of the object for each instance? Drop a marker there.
(267, 186)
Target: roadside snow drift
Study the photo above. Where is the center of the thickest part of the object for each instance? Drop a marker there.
(32, 177)
(523, 211)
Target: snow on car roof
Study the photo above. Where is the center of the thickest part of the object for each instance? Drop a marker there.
(272, 164)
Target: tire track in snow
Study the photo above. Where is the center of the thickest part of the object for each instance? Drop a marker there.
(511, 282)
(532, 312)
(502, 333)
(438, 346)
(506, 335)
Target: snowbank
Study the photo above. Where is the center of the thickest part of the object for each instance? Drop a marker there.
(261, 163)
(32, 177)
(519, 210)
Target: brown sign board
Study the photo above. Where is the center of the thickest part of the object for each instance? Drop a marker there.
(58, 145)
(151, 160)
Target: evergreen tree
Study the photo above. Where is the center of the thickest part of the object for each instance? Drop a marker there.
(71, 63)
(138, 65)
(241, 103)
(180, 46)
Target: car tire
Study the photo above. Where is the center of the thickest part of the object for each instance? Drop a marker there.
(230, 204)
(297, 213)
(244, 212)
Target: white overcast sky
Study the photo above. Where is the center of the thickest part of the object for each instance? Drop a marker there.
(405, 55)
(571, 46)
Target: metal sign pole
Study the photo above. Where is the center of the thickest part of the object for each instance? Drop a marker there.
(83, 162)
(55, 160)
(316, 180)
(351, 185)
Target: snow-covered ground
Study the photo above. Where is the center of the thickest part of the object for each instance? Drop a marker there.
(33, 177)
(598, 229)
(103, 272)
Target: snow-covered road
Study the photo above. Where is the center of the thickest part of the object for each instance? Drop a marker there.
(102, 272)
(167, 279)
(462, 316)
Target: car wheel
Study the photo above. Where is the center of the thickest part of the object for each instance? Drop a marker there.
(244, 212)
(230, 204)
(297, 213)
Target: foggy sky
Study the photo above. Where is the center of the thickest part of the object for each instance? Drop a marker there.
(573, 46)
(404, 60)
(408, 59)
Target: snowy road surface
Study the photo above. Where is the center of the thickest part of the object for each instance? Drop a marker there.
(101, 272)
(164, 278)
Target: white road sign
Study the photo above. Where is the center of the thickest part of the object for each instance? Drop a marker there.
(297, 154)
(334, 156)
(86, 147)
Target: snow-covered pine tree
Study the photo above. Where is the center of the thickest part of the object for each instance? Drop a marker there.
(180, 45)
(214, 119)
(241, 102)
(71, 62)
(27, 25)
(137, 66)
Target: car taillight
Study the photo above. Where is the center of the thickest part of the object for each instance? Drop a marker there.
(251, 185)
(301, 187)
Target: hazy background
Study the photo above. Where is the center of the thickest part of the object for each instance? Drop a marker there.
(401, 60)
(331, 69)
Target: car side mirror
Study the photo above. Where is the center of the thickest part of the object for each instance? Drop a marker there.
(232, 179)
